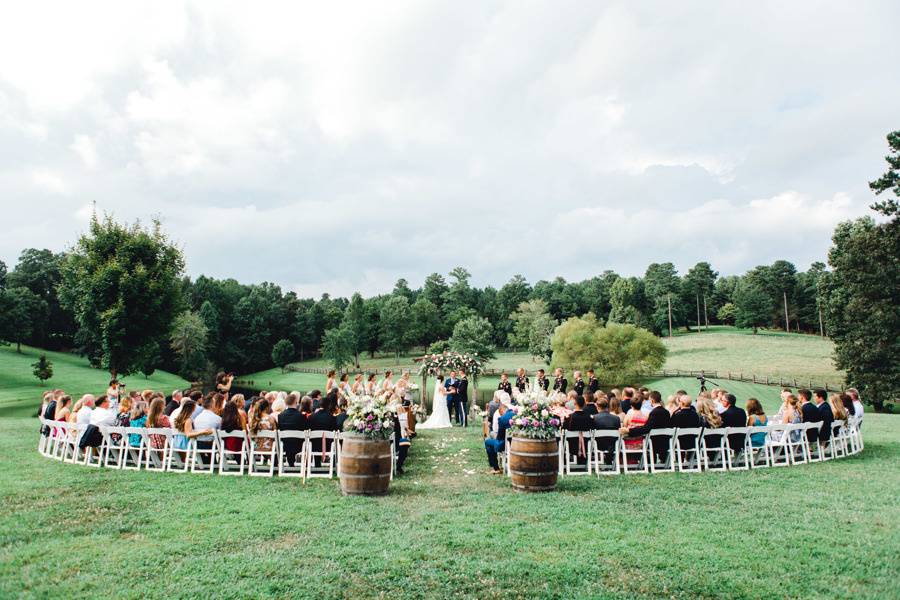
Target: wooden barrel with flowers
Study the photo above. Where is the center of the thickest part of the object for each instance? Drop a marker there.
(533, 464)
(365, 466)
(365, 452)
(534, 451)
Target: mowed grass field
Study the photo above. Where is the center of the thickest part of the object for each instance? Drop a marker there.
(447, 529)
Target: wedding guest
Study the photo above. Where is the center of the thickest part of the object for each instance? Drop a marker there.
(604, 419)
(521, 380)
(838, 410)
(102, 414)
(504, 385)
(496, 443)
(207, 420)
(157, 419)
(137, 418)
(184, 425)
(560, 384)
(542, 382)
(323, 420)
(174, 402)
(231, 421)
(858, 409)
(579, 421)
(279, 404)
(809, 414)
(223, 383)
(671, 404)
(659, 418)
(112, 392)
(293, 419)
(341, 415)
(590, 402)
(401, 437)
(827, 416)
(686, 416)
(628, 400)
(593, 385)
(200, 399)
(756, 417)
(306, 406)
(615, 407)
(734, 416)
(847, 402)
(578, 384)
(60, 408)
(633, 418)
(259, 420)
(316, 397)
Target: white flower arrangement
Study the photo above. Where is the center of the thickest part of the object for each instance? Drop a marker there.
(371, 416)
(534, 417)
(433, 364)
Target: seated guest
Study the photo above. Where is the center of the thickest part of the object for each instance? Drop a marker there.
(825, 414)
(101, 416)
(82, 414)
(401, 436)
(858, 409)
(671, 404)
(157, 419)
(492, 406)
(184, 426)
(615, 407)
(200, 400)
(579, 421)
(207, 420)
(686, 417)
(259, 420)
(734, 416)
(137, 418)
(838, 410)
(238, 401)
(659, 418)
(634, 418)
(123, 417)
(847, 402)
(316, 397)
(174, 402)
(61, 412)
(279, 404)
(709, 419)
(590, 403)
(756, 417)
(809, 414)
(604, 419)
(628, 399)
(496, 443)
(323, 419)
(306, 406)
(341, 415)
(292, 419)
(231, 421)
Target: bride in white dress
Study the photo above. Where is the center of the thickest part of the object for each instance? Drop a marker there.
(440, 416)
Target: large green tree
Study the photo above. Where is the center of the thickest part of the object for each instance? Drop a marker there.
(188, 339)
(752, 306)
(283, 353)
(699, 283)
(473, 335)
(22, 312)
(395, 321)
(338, 346)
(532, 328)
(662, 287)
(122, 284)
(425, 321)
(40, 271)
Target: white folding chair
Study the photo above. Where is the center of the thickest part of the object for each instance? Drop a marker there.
(662, 443)
(738, 453)
(779, 443)
(203, 460)
(607, 462)
(132, 456)
(505, 454)
(714, 449)
(853, 434)
(813, 448)
(60, 436)
(642, 464)
(300, 458)
(93, 455)
(155, 459)
(760, 456)
(232, 462)
(838, 445)
(570, 462)
(322, 463)
(262, 460)
(111, 449)
(44, 439)
(178, 461)
(71, 452)
(688, 449)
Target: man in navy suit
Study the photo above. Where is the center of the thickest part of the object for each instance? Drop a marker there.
(450, 392)
(825, 415)
(734, 416)
(810, 414)
(497, 442)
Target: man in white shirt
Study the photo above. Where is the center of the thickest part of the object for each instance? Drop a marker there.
(207, 419)
(83, 416)
(103, 415)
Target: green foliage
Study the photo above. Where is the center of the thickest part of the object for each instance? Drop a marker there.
(862, 307)
(395, 324)
(283, 353)
(40, 271)
(122, 285)
(42, 368)
(338, 346)
(21, 311)
(188, 339)
(753, 307)
(662, 286)
(626, 297)
(618, 353)
(439, 347)
(425, 325)
(890, 207)
(533, 328)
(727, 313)
(473, 335)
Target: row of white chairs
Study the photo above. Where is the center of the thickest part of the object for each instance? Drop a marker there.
(692, 450)
(263, 455)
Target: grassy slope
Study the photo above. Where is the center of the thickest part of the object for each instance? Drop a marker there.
(448, 529)
(19, 389)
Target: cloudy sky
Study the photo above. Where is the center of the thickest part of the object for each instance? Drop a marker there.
(340, 146)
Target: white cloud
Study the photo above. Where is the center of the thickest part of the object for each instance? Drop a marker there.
(340, 146)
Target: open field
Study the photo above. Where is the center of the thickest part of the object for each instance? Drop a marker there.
(449, 530)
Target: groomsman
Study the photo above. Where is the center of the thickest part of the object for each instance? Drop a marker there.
(542, 382)
(593, 384)
(579, 383)
(521, 380)
(505, 386)
(561, 384)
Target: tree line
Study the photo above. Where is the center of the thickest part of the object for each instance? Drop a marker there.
(121, 298)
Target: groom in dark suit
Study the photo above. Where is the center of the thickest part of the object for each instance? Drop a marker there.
(450, 392)
(462, 399)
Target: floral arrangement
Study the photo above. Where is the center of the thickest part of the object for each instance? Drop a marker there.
(372, 417)
(420, 412)
(433, 364)
(534, 417)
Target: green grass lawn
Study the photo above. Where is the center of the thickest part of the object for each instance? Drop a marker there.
(19, 387)
(448, 529)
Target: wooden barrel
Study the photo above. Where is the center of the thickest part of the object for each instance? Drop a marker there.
(365, 468)
(533, 464)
